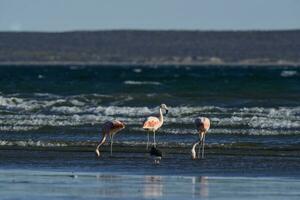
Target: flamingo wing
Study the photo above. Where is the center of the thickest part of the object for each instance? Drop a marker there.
(151, 122)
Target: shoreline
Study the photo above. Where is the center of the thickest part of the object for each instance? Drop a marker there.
(145, 65)
(121, 148)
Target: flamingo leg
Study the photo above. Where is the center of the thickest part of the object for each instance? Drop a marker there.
(111, 144)
(154, 138)
(199, 147)
(203, 141)
(148, 138)
(200, 143)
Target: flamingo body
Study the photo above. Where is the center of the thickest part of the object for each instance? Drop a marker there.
(114, 126)
(202, 124)
(152, 124)
(109, 128)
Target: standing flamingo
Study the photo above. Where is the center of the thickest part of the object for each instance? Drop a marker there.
(109, 128)
(153, 123)
(202, 125)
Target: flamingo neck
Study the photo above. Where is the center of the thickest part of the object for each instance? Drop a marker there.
(193, 152)
(161, 117)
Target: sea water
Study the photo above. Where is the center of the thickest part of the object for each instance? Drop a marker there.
(51, 116)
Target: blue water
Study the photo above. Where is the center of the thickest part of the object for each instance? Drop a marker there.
(51, 117)
(69, 103)
(251, 108)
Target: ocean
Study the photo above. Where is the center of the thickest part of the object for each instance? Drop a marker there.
(51, 117)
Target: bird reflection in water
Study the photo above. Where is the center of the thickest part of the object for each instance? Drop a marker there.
(200, 186)
(153, 186)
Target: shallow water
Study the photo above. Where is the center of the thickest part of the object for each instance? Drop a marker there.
(216, 163)
(66, 185)
(80, 175)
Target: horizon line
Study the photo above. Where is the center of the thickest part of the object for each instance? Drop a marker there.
(149, 30)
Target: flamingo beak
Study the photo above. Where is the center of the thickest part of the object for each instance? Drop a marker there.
(167, 111)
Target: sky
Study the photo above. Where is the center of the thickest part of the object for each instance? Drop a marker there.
(69, 15)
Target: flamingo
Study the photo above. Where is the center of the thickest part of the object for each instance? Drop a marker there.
(109, 128)
(153, 123)
(202, 125)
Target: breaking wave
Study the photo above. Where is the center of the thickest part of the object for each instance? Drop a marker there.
(46, 110)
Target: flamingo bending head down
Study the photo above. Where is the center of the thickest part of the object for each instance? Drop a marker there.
(109, 128)
(202, 125)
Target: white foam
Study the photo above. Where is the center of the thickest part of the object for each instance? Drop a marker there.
(137, 70)
(32, 143)
(10, 102)
(40, 76)
(18, 128)
(67, 110)
(121, 110)
(130, 82)
(263, 122)
(23, 114)
(288, 73)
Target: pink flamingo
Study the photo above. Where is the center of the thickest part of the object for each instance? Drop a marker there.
(202, 125)
(152, 124)
(109, 128)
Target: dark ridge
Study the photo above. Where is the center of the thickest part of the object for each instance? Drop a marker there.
(152, 47)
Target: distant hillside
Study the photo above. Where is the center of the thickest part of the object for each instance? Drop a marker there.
(151, 47)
